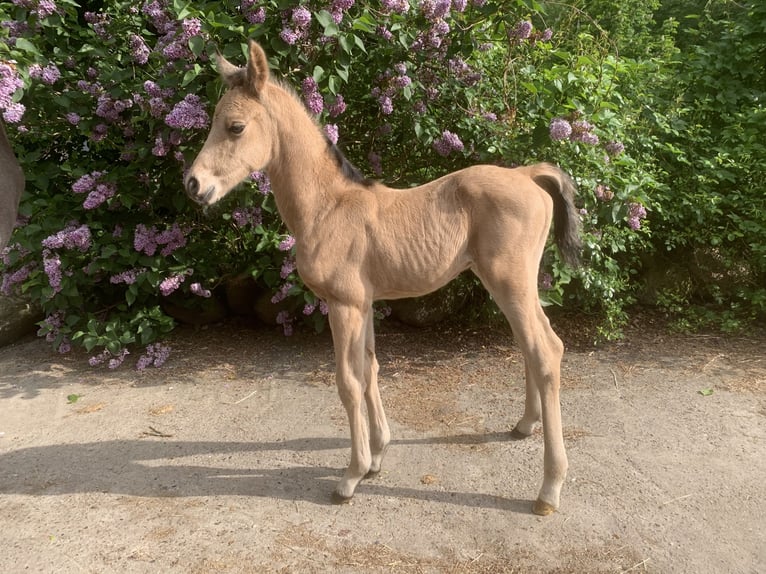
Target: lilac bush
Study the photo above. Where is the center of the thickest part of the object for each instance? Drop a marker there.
(410, 90)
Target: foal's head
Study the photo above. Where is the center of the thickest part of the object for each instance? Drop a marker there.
(240, 139)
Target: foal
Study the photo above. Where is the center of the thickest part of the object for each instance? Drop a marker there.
(358, 241)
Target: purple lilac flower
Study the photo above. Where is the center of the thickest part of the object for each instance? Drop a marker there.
(546, 35)
(140, 51)
(99, 359)
(87, 182)
(396, 6)
(288, 266)
(287, 244)
(337, 107)
(52, 267)
(45, 8)
(71, 237)
(199, 291)
(170, 284)
(172, 239)
(156, 354)
(191, 27)
(145, 239)
(51, 326)
(614, 148)
(14, 112)
(447, 143)
(51, 74)
(156, 12)
(289, 36)
(189, 113)
(331, 131)
(262, 181)
(560, 129)
(118, 359)
(110, 109)
(546, 281)
(386, 105)
(256, 16)
(522, 31)
(10, 81)
(581, 131)
(315, 103)
(244, 217)
(636, 212)
(301, 17)
(384, 33)
(127, 277)
(161, 147)
(433, 9)
(15, 278)
(15, 29)
(99, 195)
(73, 118)
(311, 96)
(281, 294)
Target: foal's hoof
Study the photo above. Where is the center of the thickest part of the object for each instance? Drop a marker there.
(543, 508)
(516, 434)
(339, 498)
(372, 473)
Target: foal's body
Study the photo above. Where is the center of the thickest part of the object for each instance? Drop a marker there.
(358, 241)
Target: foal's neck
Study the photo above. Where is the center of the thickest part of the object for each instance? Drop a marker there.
(300, 173)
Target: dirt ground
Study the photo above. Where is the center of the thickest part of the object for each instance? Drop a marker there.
(224, 459)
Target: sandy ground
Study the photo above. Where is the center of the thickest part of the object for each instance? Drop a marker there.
(224, 459)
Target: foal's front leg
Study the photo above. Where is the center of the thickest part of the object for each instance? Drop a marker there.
(347, 323)
(380, 435)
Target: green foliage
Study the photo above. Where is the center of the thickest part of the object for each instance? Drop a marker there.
(713, 219)
(108, 236)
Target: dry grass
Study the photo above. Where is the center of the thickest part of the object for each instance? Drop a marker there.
(336, 554)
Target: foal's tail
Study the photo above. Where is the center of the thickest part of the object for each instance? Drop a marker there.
(566, 219)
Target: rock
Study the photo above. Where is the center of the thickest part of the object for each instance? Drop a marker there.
(11, 186)
(195, 311)
(432, 308)
(18, 319)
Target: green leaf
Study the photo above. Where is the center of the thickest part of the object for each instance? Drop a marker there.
(72, 399)
(26, 46)
(705, 392)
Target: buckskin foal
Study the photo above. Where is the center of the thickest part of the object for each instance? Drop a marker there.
(357, 241)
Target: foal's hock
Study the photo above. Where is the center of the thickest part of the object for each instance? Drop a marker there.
(357, 241)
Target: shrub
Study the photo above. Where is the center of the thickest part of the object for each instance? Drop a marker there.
(107, 108)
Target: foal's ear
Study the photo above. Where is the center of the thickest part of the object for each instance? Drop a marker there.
(230, 74)
(257, 68)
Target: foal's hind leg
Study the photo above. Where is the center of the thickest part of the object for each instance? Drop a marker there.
(542, 351)
(380, 435)
(347, 323)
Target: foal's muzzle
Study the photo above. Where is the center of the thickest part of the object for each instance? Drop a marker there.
(197, 194)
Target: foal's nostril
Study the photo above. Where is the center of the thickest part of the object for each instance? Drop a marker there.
(192, 186)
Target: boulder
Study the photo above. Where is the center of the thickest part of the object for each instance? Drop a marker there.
(18, 319)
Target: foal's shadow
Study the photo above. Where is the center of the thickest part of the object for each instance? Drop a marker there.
(156, 468)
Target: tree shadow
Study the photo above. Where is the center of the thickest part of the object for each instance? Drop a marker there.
(156, 468)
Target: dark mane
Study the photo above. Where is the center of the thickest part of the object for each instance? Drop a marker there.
(348, 169)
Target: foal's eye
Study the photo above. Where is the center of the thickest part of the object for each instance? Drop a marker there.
(237, 129)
